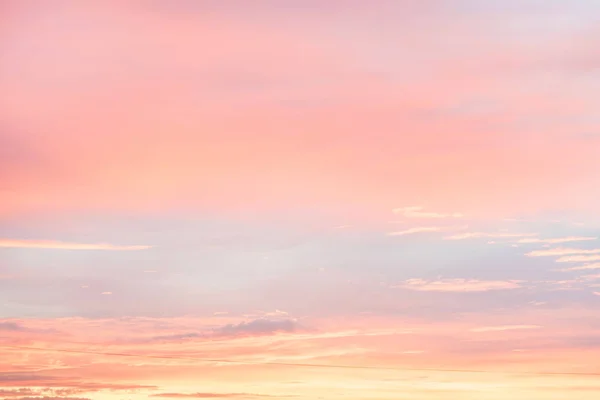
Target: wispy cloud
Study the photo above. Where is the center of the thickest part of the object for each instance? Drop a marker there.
(560, 252)
(569, 259)
(567, 239)
(582, 267)
(258, 327)
(475, 235)
(504, 328)
(457, 285)
(425, 229)
(210, 395)
(58, 245)
(417, 212)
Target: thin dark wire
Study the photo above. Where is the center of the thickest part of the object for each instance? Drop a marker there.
(283, 364)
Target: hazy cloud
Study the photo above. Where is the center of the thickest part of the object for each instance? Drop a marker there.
(567, 239)
(417, 212)
(560, 252)
(457, 285)
(57, 245)
(504, 328)
(474, 235)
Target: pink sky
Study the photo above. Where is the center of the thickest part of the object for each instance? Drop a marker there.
(410, 188)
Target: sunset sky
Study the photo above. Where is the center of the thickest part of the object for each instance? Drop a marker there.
(307, 199)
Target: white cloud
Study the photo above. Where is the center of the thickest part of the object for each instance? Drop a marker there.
(457, 285)
(504, 328)
(57, 245)
(417, 212)
(559, 251)
(558, 240)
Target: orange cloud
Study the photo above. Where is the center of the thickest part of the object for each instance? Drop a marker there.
(57, 245)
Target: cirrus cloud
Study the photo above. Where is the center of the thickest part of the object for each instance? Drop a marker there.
(458, 285)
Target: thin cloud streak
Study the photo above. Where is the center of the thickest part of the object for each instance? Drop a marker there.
(567, 239)
(476, 235)
(416, 212)
(58, 245)
(504, 328)
(560, 252)
(569, 259)
(457, 285)
(582, 267)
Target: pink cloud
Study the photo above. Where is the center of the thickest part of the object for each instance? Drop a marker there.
(475, 235)
(569, 259)
(58, 245)
(417, 212)
(566, 239)
(561, 252)
(458, 285)
(504, 328)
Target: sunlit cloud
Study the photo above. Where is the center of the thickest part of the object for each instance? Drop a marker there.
(570, 259)
(582, 267)
(567, 239)
(58, 245)
(505, 328)
(417, 212)
(210, 395)
(560, 252)
(499, 235)
(457, 285)
(420, 229)
(425, 229)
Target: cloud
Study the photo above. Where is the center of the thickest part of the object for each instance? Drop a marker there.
(416, 212)
(258, 327)
(582, 267)
(420, 229)
(457, 285)
(560, 252)
(51, 398)
(567, 239)
(473, 235)
(57, 245)
(12, 327)
(569, 259)
(423, 229)
(19, 393)
(211, 395)
(504, 328)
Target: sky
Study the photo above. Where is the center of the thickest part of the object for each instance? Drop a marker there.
(342, 199)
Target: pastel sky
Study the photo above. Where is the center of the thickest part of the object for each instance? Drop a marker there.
(308, 199)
